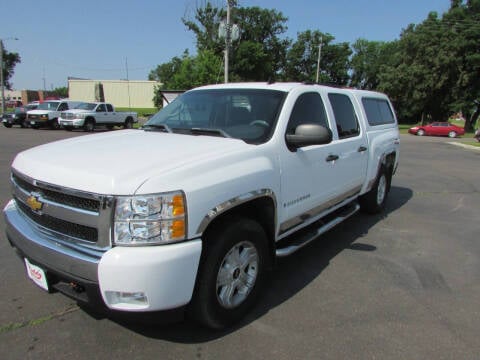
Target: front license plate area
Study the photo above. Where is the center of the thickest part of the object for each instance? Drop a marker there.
(37, 274)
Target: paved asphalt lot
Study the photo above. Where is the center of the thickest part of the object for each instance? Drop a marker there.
(403, 285)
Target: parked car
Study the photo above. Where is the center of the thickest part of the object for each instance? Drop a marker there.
(87, 116)
(18, 116)
(192, 212)
(47, 113)
(437, 129)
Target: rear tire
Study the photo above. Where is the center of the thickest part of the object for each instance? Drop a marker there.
(128, 123)
(232, 272)
(452, 134)
(374, 201)
(7, 125)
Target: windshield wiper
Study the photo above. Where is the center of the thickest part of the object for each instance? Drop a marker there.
(207, 131)
(157, 127)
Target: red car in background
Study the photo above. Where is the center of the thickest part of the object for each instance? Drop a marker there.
(437, 129)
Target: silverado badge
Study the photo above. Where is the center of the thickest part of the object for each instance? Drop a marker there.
(33, 202)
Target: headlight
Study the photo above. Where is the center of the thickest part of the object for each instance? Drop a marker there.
(44, 117)
(79, 116)
(150, 219)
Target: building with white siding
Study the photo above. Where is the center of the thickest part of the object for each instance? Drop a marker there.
(120, 93)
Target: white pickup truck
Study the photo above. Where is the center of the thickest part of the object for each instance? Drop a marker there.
(89, 115)
(47, 113)
(223, 181)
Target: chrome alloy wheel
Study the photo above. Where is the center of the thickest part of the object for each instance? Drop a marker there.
(237, 274)
(381, 189)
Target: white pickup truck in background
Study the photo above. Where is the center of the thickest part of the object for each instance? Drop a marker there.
(223, 181)
(90, 115)
(47, 113)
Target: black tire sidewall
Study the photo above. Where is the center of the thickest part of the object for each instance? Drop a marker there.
(368, 202)
(207, 309)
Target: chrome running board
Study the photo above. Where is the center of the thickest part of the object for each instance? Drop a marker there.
(304, 239)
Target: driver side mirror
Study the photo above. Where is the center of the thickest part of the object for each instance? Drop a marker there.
(309, 134)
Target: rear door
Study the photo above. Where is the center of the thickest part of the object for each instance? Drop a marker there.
(112, 116)
(350, 142)
(101, 114)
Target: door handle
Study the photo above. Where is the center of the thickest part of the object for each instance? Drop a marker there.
(331, 158)
(362, 148)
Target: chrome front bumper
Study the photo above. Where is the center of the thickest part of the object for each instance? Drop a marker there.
(44, 248)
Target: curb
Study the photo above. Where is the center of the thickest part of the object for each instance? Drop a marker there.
(465, 146)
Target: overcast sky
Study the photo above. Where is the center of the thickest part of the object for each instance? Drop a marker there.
(98, 39)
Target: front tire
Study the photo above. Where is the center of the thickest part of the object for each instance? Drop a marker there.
(452, 134)
(421, 132)
(232, 272)
(89, 125)
(374, 201)
(54, 125)
(7, 125)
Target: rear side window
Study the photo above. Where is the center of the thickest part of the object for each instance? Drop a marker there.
(109, 108)
(345, 117)
(378, 111)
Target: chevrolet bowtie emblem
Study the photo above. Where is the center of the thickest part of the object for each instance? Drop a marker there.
(34, 203)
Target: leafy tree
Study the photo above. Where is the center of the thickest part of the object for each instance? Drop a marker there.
(433, 72)
(9, 60)
(61, 92)
(205, 26)
(186, 73)
(164, 72)
(302, 59)
(259, 53)
(367, 61)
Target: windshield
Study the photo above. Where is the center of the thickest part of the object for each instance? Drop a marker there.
(86, 106)
(48, 105)
(246, 114)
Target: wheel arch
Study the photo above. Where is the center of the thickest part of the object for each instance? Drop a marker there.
(259, 206)
(388, 161)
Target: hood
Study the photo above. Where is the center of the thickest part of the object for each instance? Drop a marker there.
(40, 112)
(119, 162)
(77, 111)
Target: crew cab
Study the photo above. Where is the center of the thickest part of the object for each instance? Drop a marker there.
(222, 182)
(89, 115)
(47, 113)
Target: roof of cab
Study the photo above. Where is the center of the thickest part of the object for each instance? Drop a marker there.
(287, 87)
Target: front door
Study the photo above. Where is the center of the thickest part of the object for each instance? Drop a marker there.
(308, 178)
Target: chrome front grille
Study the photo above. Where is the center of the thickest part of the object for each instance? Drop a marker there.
(75, 216)
(59, 197)
(67, 116)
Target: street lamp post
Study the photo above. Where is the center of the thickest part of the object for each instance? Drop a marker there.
(1, 72)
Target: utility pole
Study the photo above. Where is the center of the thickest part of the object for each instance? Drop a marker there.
(1, 72)
(230, 33)
(227, 40)
(1, 76)
(128, 84)
(319, 56)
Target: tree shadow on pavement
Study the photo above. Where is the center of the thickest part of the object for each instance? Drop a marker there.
(289, 277)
